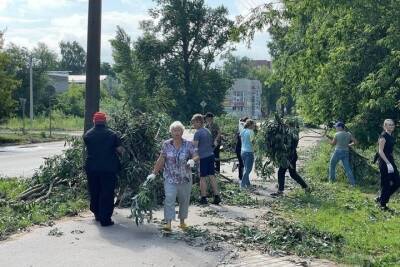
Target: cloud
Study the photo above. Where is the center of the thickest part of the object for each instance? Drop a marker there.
(4, 4)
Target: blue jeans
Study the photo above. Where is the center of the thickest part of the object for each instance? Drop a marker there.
(343, 155)
(248, 160)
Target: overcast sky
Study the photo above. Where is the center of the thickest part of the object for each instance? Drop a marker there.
(50, 21)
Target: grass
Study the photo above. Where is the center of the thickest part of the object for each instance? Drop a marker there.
(17, 215)
(371, 237)
(41, 123)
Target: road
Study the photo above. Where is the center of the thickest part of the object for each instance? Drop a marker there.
(23, 160)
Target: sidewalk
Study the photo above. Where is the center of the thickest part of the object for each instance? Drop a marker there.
(82, 242)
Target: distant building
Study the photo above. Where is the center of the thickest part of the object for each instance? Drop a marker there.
(244, 99)
(81, 79)
(261, 63)
(58, 80)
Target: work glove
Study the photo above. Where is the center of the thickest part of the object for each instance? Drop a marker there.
(149, 178)
(215, 143)
(390, 168)
(190, 162)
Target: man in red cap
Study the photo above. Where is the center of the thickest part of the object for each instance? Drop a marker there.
(102, 165)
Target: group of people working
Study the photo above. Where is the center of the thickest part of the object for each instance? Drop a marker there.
(178, 156)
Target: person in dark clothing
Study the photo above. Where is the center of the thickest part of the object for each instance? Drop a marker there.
(102, 165)
(292, 171)
(238, 147)
(390, 180)
(216, 135)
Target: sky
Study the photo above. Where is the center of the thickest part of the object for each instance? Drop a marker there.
(28, 22)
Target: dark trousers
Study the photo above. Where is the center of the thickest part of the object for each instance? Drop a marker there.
(241, 164)
(293, 173)
(101, 191)
(390, 182)
(217, 159)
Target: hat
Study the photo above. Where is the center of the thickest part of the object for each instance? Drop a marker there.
(209, 115)
(339, 124)
(99, 118)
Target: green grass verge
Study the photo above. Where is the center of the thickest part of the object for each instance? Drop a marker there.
(16, 215)
(41, 123)
(371, 237)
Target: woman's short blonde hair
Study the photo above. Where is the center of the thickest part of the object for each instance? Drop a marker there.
(387, 121)
(176, 124)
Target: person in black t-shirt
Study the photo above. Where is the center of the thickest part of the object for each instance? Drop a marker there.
(238, 147)
(102, 165)
(390, 180)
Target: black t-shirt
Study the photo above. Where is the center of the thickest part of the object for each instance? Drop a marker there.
(101, 143)
(389, 145)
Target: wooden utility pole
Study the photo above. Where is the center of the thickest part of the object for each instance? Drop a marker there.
(92, 97)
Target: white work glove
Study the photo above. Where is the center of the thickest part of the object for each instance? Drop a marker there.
(390, 168)
(190, 162)
(151, 177)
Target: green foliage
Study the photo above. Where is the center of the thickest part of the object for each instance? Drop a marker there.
(237, 67)
(72, 102)
(276, 140)
(141, 138)
(73, 57)
(173, 73)
(337, 59)
(7, 86)
(229, 129)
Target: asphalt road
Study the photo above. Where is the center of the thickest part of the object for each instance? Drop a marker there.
(23, 160)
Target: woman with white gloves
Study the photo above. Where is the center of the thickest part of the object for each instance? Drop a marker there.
(176, 159)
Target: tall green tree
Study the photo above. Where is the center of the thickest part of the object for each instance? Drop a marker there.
(43, 60)
(73, 57)
(237, 67)
(7, 86)
(337, 59)
(180, 44)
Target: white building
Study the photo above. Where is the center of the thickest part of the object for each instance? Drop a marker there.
(244, 99)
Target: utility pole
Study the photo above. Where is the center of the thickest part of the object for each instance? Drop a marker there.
(92, 96)
(30, 91)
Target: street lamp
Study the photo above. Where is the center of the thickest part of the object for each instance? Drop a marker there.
(23, 102)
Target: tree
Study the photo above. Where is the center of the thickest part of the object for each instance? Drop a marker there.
(43, 60)
(337, 59)
(7, 85)
(73, 57)
(237, 67)
(180, 47)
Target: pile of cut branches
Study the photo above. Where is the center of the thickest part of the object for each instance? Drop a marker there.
(64, 170)
(142, 135)
(274, 141)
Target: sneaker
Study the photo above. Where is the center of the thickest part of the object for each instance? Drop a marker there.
(386, 208)
(203, 201)
(276, 194)
(217, 200)
(183, 226)
(167, 228)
